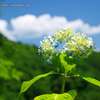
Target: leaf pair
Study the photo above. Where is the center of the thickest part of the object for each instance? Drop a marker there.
(27, 84)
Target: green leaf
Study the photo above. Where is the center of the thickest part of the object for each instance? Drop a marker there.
(67, 63)
(91, 80)
(54, 96)
(73, 93)
(56, 61)
(27, 84)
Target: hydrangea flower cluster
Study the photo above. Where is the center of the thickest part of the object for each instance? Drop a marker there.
(76, 45)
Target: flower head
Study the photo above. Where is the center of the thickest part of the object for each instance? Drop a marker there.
(76, 45)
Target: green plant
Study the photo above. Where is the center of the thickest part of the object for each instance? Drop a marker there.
(8, 73)
(77, 47)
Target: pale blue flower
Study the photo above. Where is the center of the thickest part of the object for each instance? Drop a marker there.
(76, 45)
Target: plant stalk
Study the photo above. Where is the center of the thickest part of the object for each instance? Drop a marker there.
(63, 83)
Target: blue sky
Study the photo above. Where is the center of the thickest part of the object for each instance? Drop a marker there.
(44, 17)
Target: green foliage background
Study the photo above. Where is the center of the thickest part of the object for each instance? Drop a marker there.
(26, 60)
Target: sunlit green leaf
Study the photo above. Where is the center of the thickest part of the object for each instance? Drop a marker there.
(27, 84)
(64, 96)
(91, 80)
(67, 63)
(73, 93)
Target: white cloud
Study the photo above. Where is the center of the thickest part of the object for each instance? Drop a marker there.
(30, 26)
(5, 31)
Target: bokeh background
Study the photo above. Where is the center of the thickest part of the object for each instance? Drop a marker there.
(23, 24)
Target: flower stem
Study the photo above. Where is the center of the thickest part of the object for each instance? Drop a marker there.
(63, 83)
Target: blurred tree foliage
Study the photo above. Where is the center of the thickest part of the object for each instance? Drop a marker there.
(26, 59)
(8, 72)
